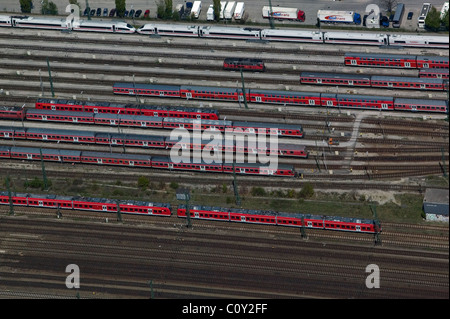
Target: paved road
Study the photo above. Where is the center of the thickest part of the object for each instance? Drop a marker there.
(253, 7)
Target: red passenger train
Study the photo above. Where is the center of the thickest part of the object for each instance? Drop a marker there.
(280, 219)
(275, 97)
(112, 206)
(395, 60)
(128, 109)
(86, 203)
(433, 84)
(245, 64)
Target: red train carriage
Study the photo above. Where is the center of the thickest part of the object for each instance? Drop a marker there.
(212, 93)
(128, 120)
(365, 102)
(407, 83)
(145, 208)
(190, 124)
(335, 79)
(434, 73)
(252, 216)
(155, 90)
(437, 62)
(421, 105)
(380, 60)
(5, 152)
(285, 97)
(130, 140)
(127, 109)
(60, 116)
(280, 129)
(60, 135)
(12, 112)
(129, 160)
(53, 155)
(13, 132)
(245, 64)
(259, 169)
(204, 212)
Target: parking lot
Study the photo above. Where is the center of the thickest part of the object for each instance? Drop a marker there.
(252, 7)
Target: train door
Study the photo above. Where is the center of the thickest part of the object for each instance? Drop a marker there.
(384, 106)
(53, 108)
(196, 215)
(161, 93)
(104, 208)
(75, 138)
(30, 156)
(113, 141)
(413, 107)
(358, 228)
(6, 134)
(422, 86)
(44, 137)
(99, 161)
(309, 224)
(390, 84)
(243, 219)
(40, 203)
(425, 66)
(150, 211)
(353, 62)
(44, 117)
(112, 122)
(131, 163)
(350, 82)
(258, 99)
(75, 119)
(145, 143)
(311, 102)
(319, 81)
(407, 64)
(188, 95)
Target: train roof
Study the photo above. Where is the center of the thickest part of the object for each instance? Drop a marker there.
(29, 19)
(421, 102)
(59, 113)
(32, 130)
(350, 35)
(229, 30)
(433, 58)
(209, 89)
(405, 79)
(284, 93)
(142, 203)
(147, 86)
(296, 33)
(415, 37)
(380, 56)
(5, 148)
(185, 160)
(130, 136)
(198, 121)
(10, 108)
(118, 116)
(268, 125)
(335, 75)
(45, 151)
(165, 27)
(12, 128)
(117, 155)
(434, 70)
(364, 97)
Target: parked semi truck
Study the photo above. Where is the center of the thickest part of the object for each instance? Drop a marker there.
(229, 10)
(284, 13)
(332, 16)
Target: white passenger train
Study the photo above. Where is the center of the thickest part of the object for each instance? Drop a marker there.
(220, 32)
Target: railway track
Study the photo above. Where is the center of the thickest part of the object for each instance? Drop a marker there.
(86, 172)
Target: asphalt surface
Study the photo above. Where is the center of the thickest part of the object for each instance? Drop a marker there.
(252, 7)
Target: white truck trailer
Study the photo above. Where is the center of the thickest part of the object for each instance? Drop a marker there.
(223, 5)
(196, 9)
(281, 13)
(239, 10)
(332, 16)
(229, 10)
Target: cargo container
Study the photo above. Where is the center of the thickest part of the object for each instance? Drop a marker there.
(332, 16)
(284, 13)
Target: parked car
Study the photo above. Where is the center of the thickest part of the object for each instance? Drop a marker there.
(105, 12)
(146, 13)
(125, 14)
(99, 12)
(131, 14)
(92, 12)
(86, 11)
(410, 15)
(138, 13)
(112, 12)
